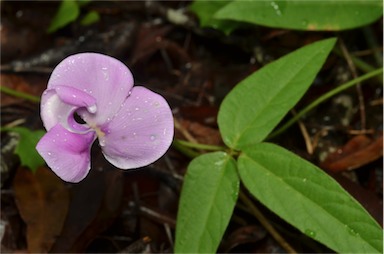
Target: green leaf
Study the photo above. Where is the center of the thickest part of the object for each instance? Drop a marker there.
(309, 199)
(82, 3)
(205, 11)
(26, 148)
(68, 12)
(330, 15)
(259, 102)
(90, 18)
(207, 200)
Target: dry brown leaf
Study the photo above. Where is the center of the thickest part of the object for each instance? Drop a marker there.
(18, 83)
(42, 199)
(202, 133)
(359, 151)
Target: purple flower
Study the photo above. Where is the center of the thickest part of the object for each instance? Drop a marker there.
(133, 124)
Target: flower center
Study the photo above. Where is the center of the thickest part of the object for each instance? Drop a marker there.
(98, 131)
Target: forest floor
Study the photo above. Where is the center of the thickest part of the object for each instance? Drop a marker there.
(193, 68)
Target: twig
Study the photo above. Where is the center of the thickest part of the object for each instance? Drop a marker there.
(360, 96)
(152, 214)
(323, 98)
(184, 131)
(372, 42)
(268, 226)
(307, 138)
(360, 64)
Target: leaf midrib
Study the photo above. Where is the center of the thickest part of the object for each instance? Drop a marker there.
(272, 98)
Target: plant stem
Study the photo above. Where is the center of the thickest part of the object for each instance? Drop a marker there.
(18, 94)
(363, 66)
(268, 226)
(373, 44)
(323, 98)
(199, 146)
(185, 150)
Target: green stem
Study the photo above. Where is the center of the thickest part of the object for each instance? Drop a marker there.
(185, 150)
(373, 44)
(323, 98)
(264, 221)
(19, 94)
(360, 64)
(199, 146)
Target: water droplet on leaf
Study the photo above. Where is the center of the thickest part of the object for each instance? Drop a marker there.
(276, 7)
(310, 233)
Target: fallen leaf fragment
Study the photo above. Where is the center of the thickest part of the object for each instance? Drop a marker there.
(42, 200)
(358, 151)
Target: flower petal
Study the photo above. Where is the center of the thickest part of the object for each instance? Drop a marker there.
(140, 133)
(105, 78)
(75, 97)
(67, 153)
(60, 103)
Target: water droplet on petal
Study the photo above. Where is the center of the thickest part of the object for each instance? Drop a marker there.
(137, 108)
(49, 154)
(92, 109)
(153, 137)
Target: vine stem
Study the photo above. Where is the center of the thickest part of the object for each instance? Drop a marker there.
(264, 221)
(18, 94)
(199, 146)
(323, 98)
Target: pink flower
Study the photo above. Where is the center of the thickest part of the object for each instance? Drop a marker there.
(133, 124)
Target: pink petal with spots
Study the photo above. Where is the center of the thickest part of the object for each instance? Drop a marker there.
(66, 153)
(140, 133)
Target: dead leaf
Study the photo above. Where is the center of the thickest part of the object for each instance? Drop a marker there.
(94, 205)
(202, 133)
(18, 83)
(42, 199)
(243, 235)
(359, 151)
